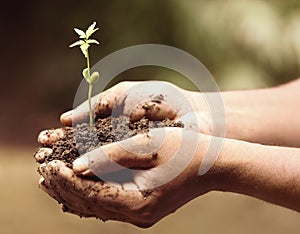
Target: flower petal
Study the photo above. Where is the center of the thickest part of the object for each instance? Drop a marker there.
(77, 43)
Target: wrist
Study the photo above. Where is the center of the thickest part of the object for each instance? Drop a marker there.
(249, 115)
(229, 165)
(210, 180)
(239, 165)
(239, 114)
(268, 173)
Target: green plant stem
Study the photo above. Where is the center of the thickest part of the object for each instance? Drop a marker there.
(88, 62)
(90, 92)
(90, 105)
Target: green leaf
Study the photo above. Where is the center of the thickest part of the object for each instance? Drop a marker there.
(84, 49)
(94, 78)
(85, 73)
(90, 41)
(77, 43)
(91, 29)
(80, 33)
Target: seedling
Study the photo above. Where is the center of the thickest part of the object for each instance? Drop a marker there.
(84, 43)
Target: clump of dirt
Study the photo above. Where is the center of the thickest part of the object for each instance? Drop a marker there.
(79, 140)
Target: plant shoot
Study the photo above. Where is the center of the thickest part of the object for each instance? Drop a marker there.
(84, 43)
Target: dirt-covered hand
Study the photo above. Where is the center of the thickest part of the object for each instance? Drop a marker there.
(155, 100)
(164, 175)
(46, 138)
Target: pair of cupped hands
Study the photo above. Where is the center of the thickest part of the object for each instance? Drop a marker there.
(164, 167)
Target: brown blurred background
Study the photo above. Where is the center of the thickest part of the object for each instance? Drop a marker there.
(244, 43)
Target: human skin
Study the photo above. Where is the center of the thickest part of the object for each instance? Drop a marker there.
(250, 115)
(270, 173)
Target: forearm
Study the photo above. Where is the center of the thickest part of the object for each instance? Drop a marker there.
(267, 116)
(269, 173)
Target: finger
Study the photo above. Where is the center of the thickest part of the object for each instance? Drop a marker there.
(155, 100)
(66, 118)
(112, 198)
(51, 184)
(74, 204)
(42, 153)
(102, 105)
(63, 179)
(52, 188)
(109, 202)
(48, 137)
(135, 103)
(51, 192)
(80, 114)
(69, 204)
(153, 110)
(138, 152)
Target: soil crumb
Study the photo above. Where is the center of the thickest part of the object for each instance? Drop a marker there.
(80, 139)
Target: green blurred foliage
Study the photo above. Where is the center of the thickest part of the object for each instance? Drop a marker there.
(244, 43)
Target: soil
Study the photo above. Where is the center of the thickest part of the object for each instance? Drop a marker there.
(80, 139)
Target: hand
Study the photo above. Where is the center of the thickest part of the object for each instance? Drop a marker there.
(167, 177)
(251, 169)
(133, 97)
(156, 100)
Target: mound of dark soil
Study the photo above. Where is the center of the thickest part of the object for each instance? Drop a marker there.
(79, 140)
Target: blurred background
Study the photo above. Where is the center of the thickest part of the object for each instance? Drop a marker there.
(244, 43)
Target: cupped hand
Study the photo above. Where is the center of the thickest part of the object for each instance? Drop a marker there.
(155, 100)
(164, 169)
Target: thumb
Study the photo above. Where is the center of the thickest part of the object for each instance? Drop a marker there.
(102, 105)
(136, 152)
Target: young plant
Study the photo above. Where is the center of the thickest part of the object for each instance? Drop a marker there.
(84, 43)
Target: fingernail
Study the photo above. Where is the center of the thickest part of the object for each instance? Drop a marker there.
(81, 164)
